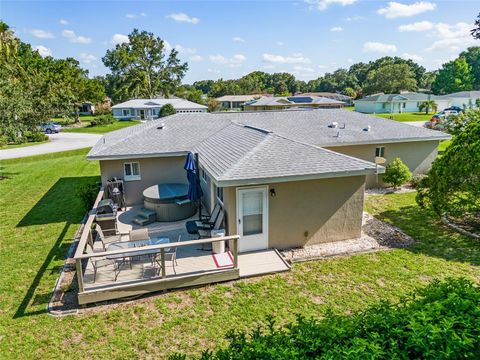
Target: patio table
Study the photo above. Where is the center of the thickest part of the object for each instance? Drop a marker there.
(136, 244)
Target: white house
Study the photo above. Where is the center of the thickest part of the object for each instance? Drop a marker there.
(397, 103)
(148, 109)
(235, 102)
(463, 98)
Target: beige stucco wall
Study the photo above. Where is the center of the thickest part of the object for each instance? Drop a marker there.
(308, 212)
(152, 170)
(418, 156)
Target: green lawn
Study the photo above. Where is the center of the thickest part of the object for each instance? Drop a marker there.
(40, 214)
(415, 116)
(102, 129)
(15, 146)
(83, 118)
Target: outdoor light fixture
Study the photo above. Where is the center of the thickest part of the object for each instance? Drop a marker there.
(273, 193)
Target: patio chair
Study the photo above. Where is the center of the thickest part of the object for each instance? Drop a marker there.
(218, 223)
(206, 224)
(101, 262)
(106, 240)
(170, 255)
(139, 234)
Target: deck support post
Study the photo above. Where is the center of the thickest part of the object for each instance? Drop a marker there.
(235, 253)
(162, 257)
(78, 266)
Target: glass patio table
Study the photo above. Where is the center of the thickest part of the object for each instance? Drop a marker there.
(134, 245)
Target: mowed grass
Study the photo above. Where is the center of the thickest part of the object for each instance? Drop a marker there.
(102, 129)
(407, 116)
(16, 146)
(40, 214)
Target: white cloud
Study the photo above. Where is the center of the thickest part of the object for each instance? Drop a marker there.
(63, 22)
(72, 37)
(42, 50)
(279, 59)
(87, 58)
(214, 71)
(238, 39)
(336, 29)
(196, 58)
(395, 9)
(414, 57)
(452, 37)
(234, 61)
(41, 34)
(303, 68)
(354, 18)
(185, 50)
(134, 16)
(323, 4)
(119, 39)
(371, 46)
(417, 26)
(280, 43)
(182, 17)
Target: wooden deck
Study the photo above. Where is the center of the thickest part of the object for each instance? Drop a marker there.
(195, 265)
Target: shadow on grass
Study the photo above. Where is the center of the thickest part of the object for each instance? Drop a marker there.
(432, 236)
(60, 204)
(5, 174)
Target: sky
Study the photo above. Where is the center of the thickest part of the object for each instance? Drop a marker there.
(228, 39)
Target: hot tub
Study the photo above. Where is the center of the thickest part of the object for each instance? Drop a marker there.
(169, 201)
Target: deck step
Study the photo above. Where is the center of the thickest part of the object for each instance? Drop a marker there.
(142, 221)
(146, 212)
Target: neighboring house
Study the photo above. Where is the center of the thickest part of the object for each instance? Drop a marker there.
(284, 179)
(467, 99)
(396, 103)
(235, 102)
(335, 96)
(295, 102)
(148, 109)
(86, 108)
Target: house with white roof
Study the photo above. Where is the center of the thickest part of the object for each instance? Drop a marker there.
(282, 178)
(148, 109)
(467, 99)
(236, 102)
(397, 103)
(293, 102)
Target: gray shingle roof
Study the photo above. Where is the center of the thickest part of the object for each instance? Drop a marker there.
(399, 97)
(463, 94)
(177, 103)
(233, 146)
(290, 100)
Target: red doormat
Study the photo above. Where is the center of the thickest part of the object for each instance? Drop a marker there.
(223, 260)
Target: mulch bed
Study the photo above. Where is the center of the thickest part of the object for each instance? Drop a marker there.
(386, 234)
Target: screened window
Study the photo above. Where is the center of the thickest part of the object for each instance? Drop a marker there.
(204, 176)
(126, 112)
(131, 171)
(380, 151)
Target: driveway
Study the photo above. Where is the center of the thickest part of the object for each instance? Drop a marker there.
(58, 142)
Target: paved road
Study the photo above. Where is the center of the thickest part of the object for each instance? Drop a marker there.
(58, 142)
(415, 123)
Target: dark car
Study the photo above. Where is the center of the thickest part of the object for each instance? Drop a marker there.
(454, 108)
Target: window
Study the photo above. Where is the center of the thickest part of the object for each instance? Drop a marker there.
(380, 151)
(404, 105)
(126, 112)
(132, 171)
(204, 176)
(220, 194)
(384, 105)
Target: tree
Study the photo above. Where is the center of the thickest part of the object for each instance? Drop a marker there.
(427, 105)
(456, 124)
(397, 173)
(427, 80)
(476, 30)
(472, 57)
(213, 105)
(390, 79)
(454, 76)
(453, 184)
(141, 68)
(167, 110)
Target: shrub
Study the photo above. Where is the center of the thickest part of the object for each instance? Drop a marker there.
(167, 110)
(439, 321)
(397, 173)
(88, 193)
(416, 179)
(3, 141)
(103, 120)
(36, 136)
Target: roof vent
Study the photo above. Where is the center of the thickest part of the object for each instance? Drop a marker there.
(333, 125)
(161, 126)
(265, 131)
(368, 128)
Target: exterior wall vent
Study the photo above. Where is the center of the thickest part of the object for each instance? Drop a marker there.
(368, 128)
(333, 125)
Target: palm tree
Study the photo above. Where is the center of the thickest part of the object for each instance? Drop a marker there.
(427, 105)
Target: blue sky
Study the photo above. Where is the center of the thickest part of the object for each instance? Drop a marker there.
(231, 38)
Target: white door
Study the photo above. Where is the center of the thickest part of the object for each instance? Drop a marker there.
(252, 218)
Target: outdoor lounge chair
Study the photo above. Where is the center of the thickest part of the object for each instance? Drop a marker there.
(106, 239)
(139, 234)
(206, 224)
(216, 226)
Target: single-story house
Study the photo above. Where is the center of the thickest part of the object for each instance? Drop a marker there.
(329, 95)
(293, 102)
(396, 103)
(87, 108)
(467, 99)
(235, 102)
(148, 109)
(284, 179)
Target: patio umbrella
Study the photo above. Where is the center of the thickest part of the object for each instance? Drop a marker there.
(194, 189)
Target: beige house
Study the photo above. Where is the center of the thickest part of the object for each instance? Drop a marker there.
(283, 179)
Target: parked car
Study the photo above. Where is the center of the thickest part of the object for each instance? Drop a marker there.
(454, 108)
(51, 128)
